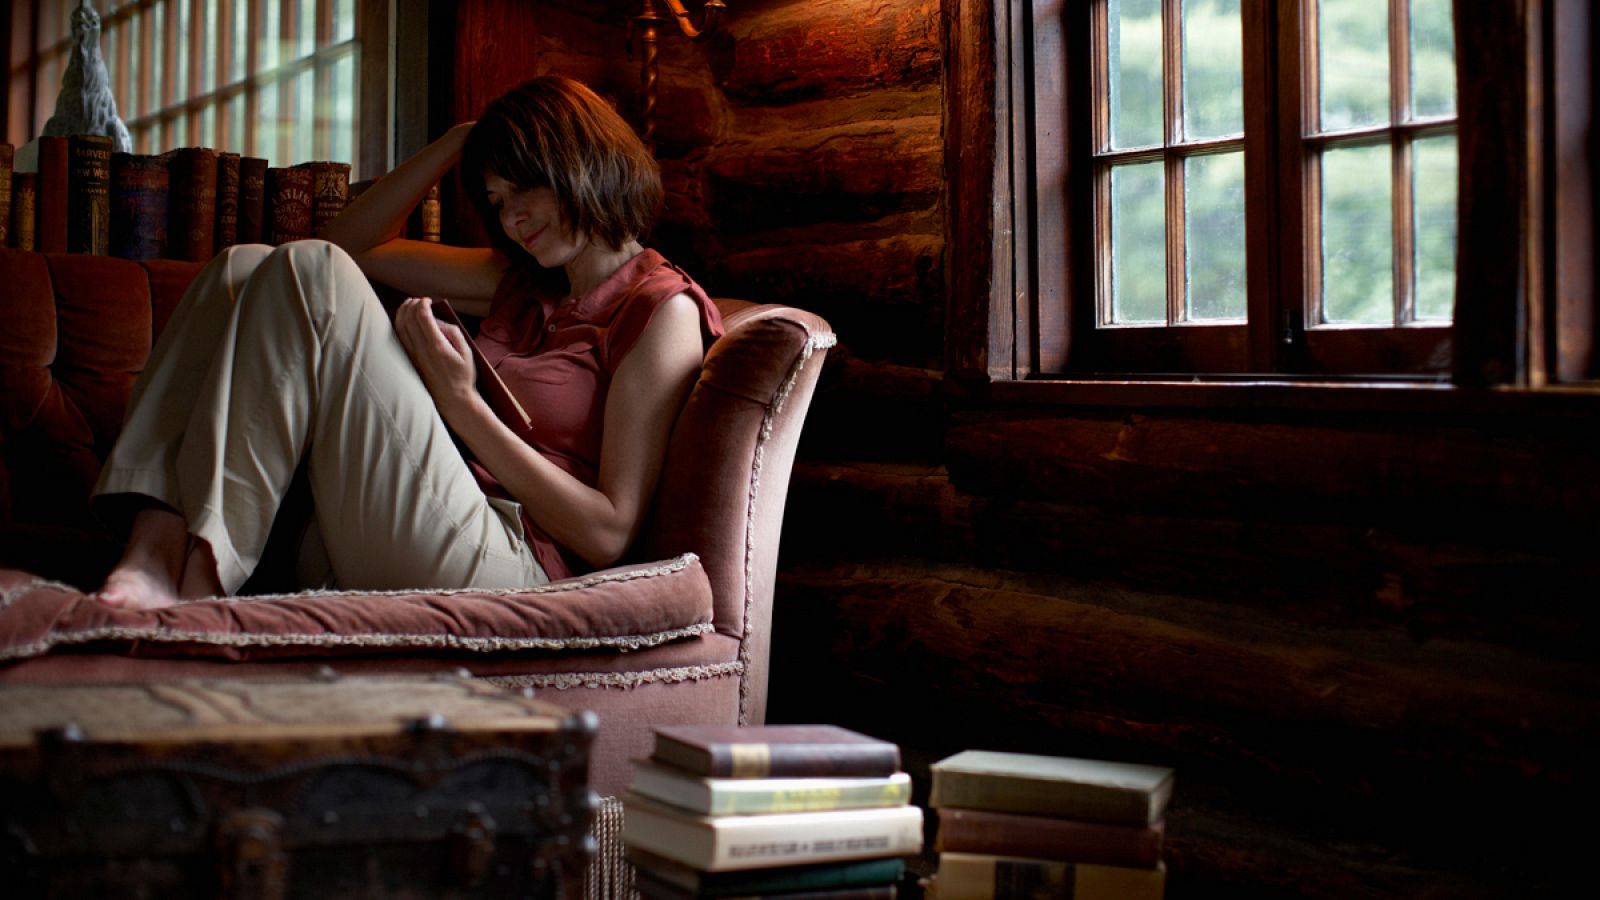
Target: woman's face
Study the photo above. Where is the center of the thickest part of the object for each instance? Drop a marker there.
(531, 218)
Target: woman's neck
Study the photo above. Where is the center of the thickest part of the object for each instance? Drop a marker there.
(595, 263)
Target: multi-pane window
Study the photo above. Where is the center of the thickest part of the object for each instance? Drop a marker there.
(270, 78)
(1272, 186)
(1169, 162)
(1381, 148)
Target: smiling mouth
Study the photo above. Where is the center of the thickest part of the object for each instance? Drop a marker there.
(532, 239)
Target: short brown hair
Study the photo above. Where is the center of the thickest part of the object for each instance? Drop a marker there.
(554, 132)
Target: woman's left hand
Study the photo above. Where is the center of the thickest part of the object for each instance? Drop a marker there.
(438, 350)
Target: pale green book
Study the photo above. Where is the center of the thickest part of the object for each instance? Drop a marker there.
(753, 796)
(1062, 786)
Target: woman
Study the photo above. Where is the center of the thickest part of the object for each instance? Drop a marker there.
(279, 356)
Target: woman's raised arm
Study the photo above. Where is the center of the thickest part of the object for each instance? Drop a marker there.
(370, 230)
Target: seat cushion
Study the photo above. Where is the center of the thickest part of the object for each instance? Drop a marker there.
(620, 609)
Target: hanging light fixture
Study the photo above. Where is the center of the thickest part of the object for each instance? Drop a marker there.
(647, 21)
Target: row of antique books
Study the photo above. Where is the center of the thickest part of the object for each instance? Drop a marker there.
(781, 811)
(74, 195)
(1014, 825)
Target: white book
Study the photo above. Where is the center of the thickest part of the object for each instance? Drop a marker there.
(726, 843)
(756, 796)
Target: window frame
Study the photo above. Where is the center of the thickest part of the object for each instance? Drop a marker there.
(1011, 244)
(371, 140)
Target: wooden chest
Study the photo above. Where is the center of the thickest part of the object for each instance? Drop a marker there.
(322, 787)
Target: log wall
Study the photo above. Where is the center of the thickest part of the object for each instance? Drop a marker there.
(1363, 637)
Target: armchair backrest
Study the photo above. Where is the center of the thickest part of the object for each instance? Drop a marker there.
(726, 477)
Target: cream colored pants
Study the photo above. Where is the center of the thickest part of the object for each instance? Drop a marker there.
(279, 355)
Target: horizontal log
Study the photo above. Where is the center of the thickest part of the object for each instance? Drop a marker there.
(1442, 476)
(899, 270)
(831, 48)
(889, 104)
(858, 172)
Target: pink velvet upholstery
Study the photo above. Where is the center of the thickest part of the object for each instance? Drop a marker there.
(680, 635)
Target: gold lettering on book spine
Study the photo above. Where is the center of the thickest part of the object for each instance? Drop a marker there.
(750, 760)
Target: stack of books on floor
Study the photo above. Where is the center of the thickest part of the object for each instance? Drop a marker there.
(1014, 825)
(791, 811)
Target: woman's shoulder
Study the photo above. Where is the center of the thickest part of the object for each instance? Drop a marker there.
(655, 282)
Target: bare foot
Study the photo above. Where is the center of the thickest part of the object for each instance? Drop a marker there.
(147, 575)
(129, 587)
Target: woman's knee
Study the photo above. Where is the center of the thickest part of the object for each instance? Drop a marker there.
(328, 276)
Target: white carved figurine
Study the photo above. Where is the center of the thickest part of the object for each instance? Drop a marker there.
(85, 105)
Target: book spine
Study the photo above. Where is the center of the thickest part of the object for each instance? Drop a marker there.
(227, 201)
(753, 842)
(1059, 799)
(89, 194)
(139, 188)
(192, 206)
(7, 155)
(864, 873)
(252, 200)
(651, 888)
(24, 209)
(730, 800)
(432, 219)
(50, 230)
(288, 205)
(802, 760)
(330, 191)
(1040, 837)
(977, 877)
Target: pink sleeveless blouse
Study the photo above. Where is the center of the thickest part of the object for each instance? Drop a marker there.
(558, 360)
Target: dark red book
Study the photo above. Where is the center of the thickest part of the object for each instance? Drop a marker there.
(192, 204)
(1047, 837)
(139, 188)
(24, 209)
(288, 205)
(89, 194)
(252, 200)
(7, 157)
(774, 751)
(227, 232)
(330, 191)
(50, 234)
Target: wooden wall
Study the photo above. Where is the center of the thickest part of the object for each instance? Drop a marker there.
(1364, 636)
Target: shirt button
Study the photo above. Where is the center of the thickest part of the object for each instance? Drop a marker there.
(552, 329)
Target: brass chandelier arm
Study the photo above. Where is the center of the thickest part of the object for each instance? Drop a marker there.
(713, 17)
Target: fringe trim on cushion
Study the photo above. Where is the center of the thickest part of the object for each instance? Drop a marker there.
(817, 341)
(610, 875)
(562, 681)
(385, 641)
(665, 567)
(38, 584)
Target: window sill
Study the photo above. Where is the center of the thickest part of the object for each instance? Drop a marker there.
(1311, 394)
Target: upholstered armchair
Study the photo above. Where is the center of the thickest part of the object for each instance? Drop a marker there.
(680, 634)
